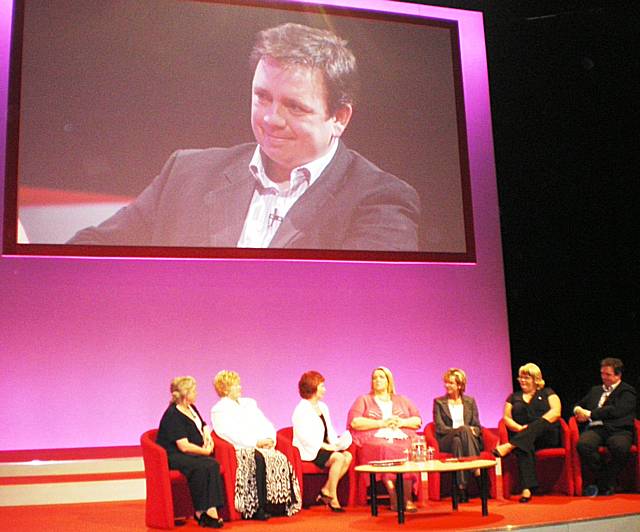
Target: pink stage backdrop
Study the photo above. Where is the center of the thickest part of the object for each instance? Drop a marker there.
(88, 346)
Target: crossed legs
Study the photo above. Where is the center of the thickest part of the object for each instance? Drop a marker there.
(338, 465)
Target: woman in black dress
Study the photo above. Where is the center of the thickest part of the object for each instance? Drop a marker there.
(531, 416)
(184, 435)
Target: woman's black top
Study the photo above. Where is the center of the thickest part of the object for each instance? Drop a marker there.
(524, 413)
(174, 426)
(325, 439)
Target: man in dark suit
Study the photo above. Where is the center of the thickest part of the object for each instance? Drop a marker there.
(608, 412)
(298, 187)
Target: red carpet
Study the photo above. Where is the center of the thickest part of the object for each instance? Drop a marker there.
(120, 516)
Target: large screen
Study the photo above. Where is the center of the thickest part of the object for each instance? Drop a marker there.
(108, 330)
(166, 128)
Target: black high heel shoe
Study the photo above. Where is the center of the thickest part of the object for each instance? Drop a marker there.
(496, 453)
(324, 499)
(337, 509)
(206, 521)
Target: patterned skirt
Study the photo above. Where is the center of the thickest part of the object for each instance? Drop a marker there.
(283, 489)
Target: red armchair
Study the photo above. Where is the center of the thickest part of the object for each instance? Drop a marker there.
(553, 466)
(436, 487)
(311, 476)
(629, 478)
(168, 496)
(225, 454)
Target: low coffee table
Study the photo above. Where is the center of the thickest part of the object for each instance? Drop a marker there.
(432, 466)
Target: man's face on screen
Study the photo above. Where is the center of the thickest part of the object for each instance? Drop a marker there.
(289, 116)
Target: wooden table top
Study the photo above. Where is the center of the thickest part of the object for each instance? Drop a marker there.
(431, 466)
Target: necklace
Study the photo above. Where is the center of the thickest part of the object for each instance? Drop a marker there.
(188, 411)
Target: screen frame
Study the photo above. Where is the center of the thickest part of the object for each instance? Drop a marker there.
(11, 246)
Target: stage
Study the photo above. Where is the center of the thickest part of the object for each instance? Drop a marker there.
(558, 513)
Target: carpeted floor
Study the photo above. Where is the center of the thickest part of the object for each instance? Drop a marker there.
(123, 516)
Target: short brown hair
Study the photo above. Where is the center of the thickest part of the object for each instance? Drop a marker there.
(614, 363)
(296, 44)
(308, 384)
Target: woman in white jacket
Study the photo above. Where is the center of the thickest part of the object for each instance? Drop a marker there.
(315, 437)
(265, 482)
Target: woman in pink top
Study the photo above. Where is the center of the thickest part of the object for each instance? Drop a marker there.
(383, 425)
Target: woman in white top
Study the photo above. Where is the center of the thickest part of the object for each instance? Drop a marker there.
(317, 440)
(265, 481)
(457, 423)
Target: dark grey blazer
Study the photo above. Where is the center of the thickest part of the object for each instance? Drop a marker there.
(201, 198)
(442, 414)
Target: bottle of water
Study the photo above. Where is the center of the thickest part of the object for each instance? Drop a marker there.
(419, 450)
(431, 454)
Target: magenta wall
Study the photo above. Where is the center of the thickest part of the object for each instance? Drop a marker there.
(88, 346)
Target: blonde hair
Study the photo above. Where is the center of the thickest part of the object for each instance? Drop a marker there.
(224, 380)
(391, 385)
(459, 376)
(534, 372)
(181, 387)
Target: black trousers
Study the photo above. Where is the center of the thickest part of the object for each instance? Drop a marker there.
(203, 476)
(619, 444)
(539, 434)
(460, 442)
(261, 478)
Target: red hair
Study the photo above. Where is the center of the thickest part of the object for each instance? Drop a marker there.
(308, 384)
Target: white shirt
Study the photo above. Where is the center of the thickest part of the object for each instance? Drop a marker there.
(606, 392)
(241, 423)
(386, 407)
(457, 415)
(271, 201)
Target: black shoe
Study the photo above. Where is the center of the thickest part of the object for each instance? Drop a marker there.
(206, 521)
(463, 496)
(607, 492)
(496, 453)
(590, 491)
(524, 499)
(261, 515)
(324, 499)
(337, 509)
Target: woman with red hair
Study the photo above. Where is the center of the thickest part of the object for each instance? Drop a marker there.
(317, 440)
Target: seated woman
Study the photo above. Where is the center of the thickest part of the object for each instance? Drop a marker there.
(315, 437)
(265, 481)
(383, 425)
(457, 423)
(531, 416)
(184, 435)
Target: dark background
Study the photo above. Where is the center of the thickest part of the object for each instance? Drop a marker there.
(563, 80)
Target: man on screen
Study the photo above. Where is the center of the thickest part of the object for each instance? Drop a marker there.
(298, 187)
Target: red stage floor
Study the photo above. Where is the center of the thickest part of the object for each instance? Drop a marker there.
(546, 510)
